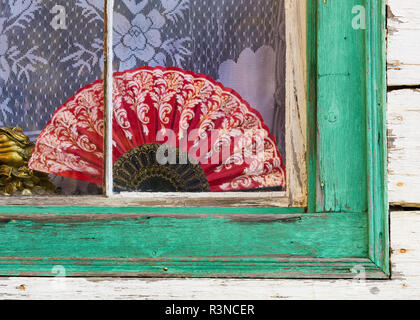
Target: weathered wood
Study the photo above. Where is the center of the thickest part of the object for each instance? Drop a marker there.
(234, 199)
(377, 194)
(296, 103)
(108, 181)
(404, 105)
(404, 69)
(405, 283)
(200, 245)
(223, 245)
(341, 110)
(312, 100)
(403, 146)
(403, 42)
(155, 211)
(160, 243)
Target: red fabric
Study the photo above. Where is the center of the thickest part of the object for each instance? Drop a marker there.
(150, 103)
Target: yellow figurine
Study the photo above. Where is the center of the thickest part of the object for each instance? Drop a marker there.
(15, 176)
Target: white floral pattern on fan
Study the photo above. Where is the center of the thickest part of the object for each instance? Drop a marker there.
(64, 133)
(149, 102)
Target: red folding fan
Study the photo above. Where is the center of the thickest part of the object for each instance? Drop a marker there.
(173, 130)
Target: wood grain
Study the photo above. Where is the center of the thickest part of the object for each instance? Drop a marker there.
(377, 195)
(404, 156)
(404, 147)
(404, 104)
(403, 42)
(405, 283)
(234, 199)
(192, 244)
(108, 93)
(296, 105)
(28, 222)
(203, 244)
(341, 111)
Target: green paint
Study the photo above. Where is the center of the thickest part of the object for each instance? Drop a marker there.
(267, 268)
(376, 127)
(190, 241)
(341, 109)
(346, 169)
(351, 111)
(313, 234)
(312, 97)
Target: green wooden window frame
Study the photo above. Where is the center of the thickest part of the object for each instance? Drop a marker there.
(344, 226)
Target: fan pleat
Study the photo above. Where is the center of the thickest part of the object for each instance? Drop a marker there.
(192, 112)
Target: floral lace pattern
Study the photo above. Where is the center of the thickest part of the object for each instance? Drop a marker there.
(41, 67)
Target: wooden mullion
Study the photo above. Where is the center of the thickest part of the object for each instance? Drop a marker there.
(341, 110)
(108, 53)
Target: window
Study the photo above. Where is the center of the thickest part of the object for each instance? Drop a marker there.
(252, 59)
(248, 46)
(332, 89)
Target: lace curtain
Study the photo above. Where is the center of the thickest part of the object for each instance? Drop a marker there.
(49, 49)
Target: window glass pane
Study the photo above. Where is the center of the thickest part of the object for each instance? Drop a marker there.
(50, 50)
(183, 128)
